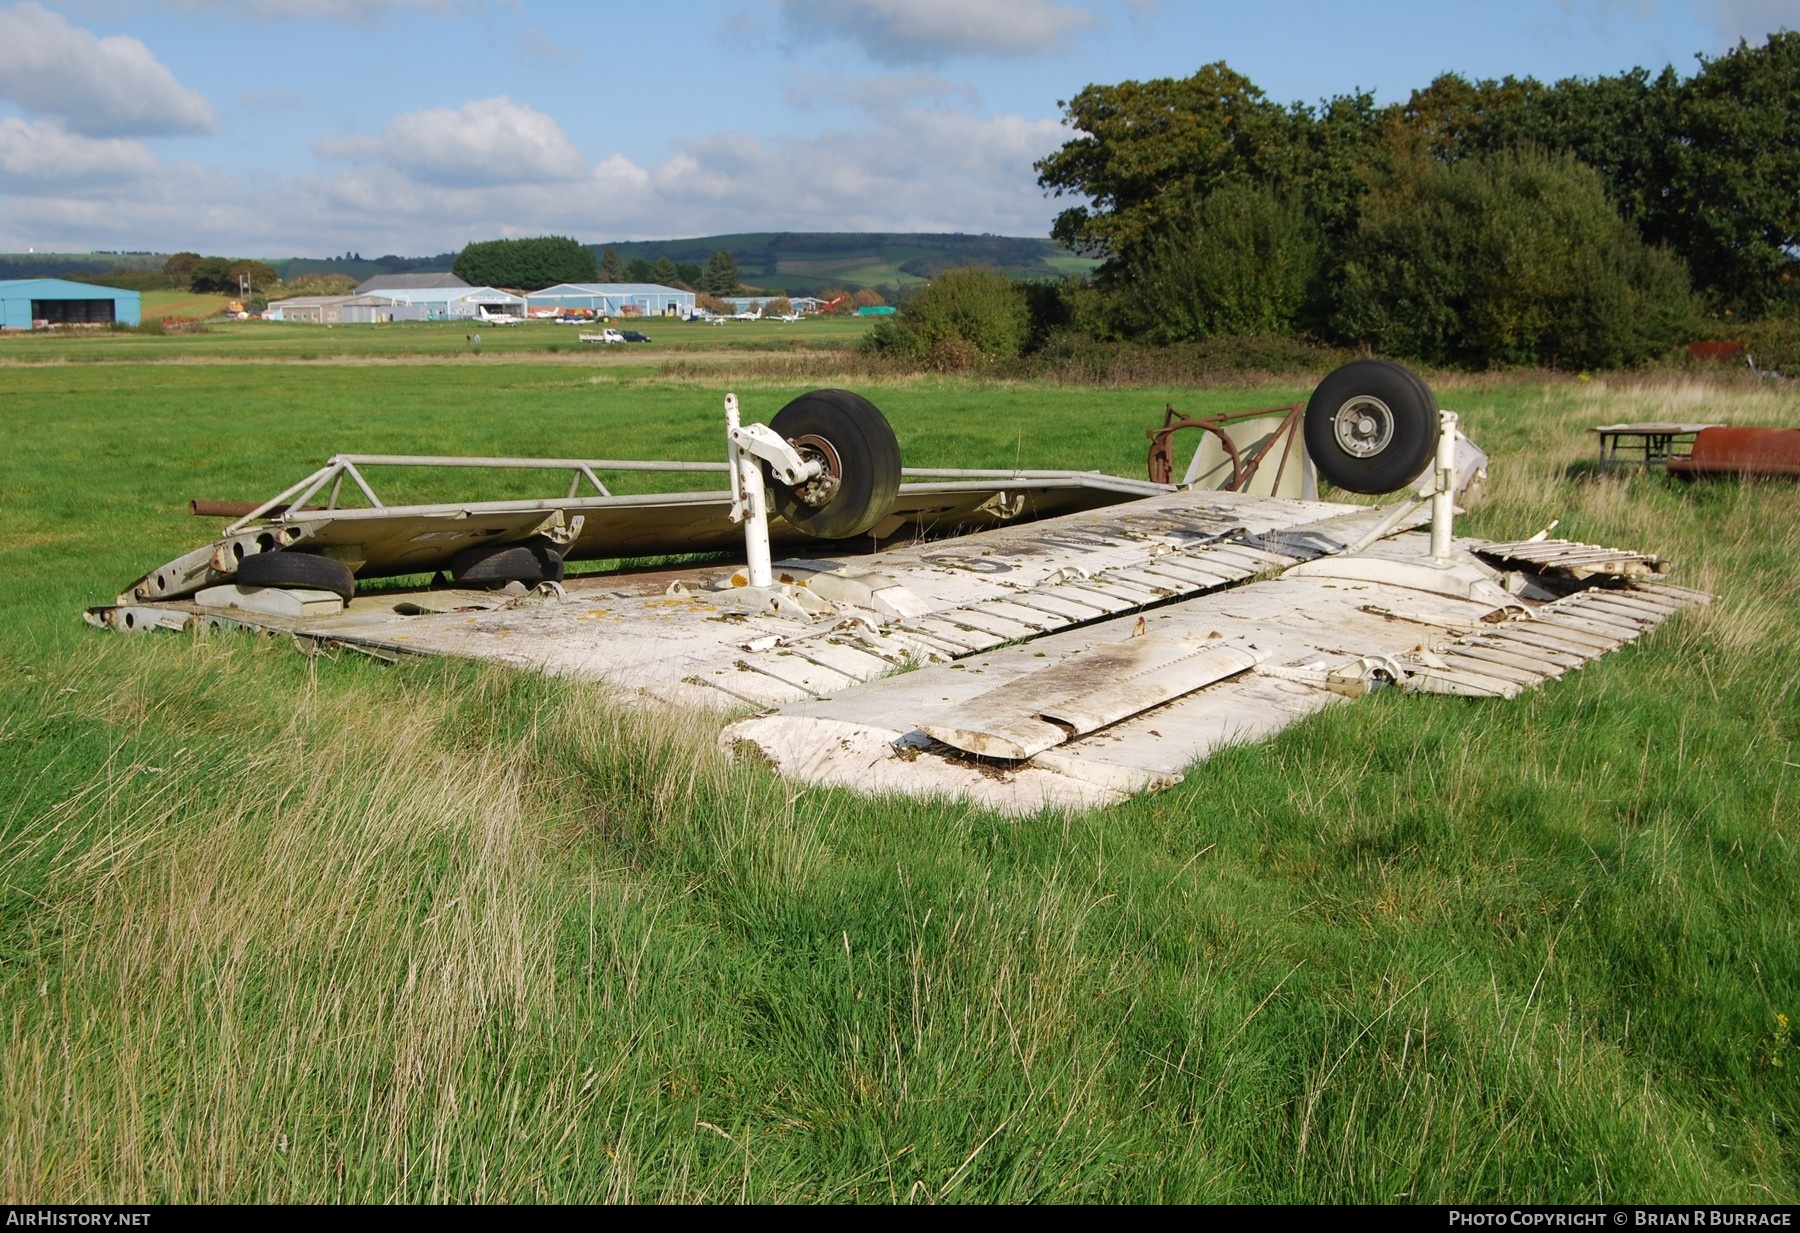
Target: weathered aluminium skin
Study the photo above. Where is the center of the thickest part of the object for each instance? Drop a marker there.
(1021, 639)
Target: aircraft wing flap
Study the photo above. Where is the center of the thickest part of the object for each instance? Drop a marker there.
(1086, 691)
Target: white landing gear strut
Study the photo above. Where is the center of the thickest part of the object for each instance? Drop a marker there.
(746, 447)
(1439, 487)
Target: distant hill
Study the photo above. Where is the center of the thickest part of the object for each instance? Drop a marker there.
(799, 262)
(61, 265)
(793, 262)
(97, 265)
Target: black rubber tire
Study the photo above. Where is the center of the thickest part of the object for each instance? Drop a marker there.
(1371, 426)
(303, 570)
(869, 463)
(485, 565)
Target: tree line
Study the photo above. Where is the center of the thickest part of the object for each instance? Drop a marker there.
(544, 261)
(1586, 222)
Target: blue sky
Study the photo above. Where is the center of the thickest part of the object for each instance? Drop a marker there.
(313, 127)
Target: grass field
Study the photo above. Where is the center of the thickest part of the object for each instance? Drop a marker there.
(156, 305)
(286, 929)
(427, 341)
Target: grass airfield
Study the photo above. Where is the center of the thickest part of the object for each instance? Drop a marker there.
(429, 341)
(278, 929)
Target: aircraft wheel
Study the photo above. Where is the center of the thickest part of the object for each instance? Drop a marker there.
(304, 570)
(498, 564)
(1371, 426)
(862, 464)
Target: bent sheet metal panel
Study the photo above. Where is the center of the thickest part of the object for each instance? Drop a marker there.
(694, 650)
(1068, 587)
(1082, 694)
(879, 735)
(923, 602)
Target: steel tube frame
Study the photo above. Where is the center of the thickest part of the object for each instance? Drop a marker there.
(340, 465)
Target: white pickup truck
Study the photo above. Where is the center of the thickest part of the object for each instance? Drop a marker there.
(604, 336)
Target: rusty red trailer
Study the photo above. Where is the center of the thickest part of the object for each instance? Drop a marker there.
(1740, 451)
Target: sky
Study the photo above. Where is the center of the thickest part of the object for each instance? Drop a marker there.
(274, 128)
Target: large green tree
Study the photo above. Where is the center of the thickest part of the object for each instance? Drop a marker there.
(1243, 261)
(530, 264)
(260, 274)
(1709, 166)
(722, 277)
(179, 268)
(211, 274)
(1507, 259)
(1734, 181)
(1147, 151)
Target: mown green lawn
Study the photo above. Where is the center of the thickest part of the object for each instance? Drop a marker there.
(429, 340)
(284, 929)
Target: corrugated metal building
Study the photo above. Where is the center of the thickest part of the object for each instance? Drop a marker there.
(614, 299)
(381, 284)
(371, 309)
(35, 303)
(306, 309)
(457, 303)
(341, 310)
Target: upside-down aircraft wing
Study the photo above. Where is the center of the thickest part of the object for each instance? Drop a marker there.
(1022, 639)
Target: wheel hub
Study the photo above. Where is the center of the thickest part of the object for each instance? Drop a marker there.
(818, 491)
(1364, 426)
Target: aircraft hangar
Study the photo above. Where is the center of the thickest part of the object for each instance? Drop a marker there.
(39, 303)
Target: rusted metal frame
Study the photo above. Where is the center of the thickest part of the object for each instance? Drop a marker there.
(1161, 460)
(1255, 461)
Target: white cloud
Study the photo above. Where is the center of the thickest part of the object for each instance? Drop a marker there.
(350, 12)
(44, 155)
(924, 31)
(907, 169)
(1754, 20)
(104, 87)
(808, 89)
(487, 142)
(916, 170)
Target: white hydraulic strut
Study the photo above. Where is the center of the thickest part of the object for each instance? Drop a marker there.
(1443, 494)
(745, 447)
(1440, 490)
